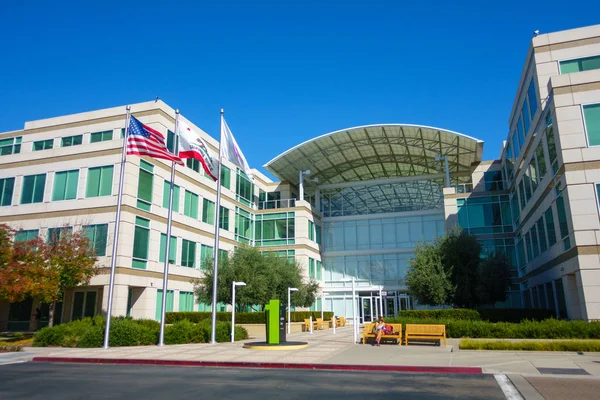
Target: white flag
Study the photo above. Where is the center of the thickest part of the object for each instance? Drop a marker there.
(192, 146)
(231, 151)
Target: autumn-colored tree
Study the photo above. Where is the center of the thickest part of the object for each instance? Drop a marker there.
(44, 270)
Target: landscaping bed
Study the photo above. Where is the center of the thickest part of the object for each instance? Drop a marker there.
(532, 345)
(89, 332)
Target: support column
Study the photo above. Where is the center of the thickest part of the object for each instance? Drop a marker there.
(120, 296)
(318, 199)
(300, 185)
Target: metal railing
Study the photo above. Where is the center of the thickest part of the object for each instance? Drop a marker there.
(275, 204)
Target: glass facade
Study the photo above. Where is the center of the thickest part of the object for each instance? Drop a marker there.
(485, 214)
(275, 229)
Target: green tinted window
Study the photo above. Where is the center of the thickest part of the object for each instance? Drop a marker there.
(224, 218)
(7, 186)
(43, 145)
(10, 146)
(591, 114)
(57, 234)
(33, 189)
(186, 301)
(532, 97)
(167, 194)
(225, 177)
(71, 141)
(193, 164)
(22, 236)
(206, 255)
(188, 254)
(98, 235)
(580, 64)
(311, 230)
(141, 238)
(190, 207)
(163, 249)
(99, 181)
(208, 211)
(145, 182)
(550, 230)
(65, 185)
(103, 136)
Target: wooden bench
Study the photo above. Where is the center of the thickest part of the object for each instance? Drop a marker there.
(414, 331)
(396, 328)
(307, 324)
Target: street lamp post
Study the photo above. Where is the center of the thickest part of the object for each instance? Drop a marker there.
(289, 324)
(233, 285)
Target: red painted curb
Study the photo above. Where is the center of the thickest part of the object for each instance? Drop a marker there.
(338, 367)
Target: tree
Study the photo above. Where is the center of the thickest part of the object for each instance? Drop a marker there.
(451, 271)
(44, 270)
(266, 275)
(427, 279)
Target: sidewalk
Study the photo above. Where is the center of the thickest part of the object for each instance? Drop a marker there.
(326, 348)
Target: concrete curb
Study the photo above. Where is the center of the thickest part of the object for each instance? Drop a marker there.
(338, 367)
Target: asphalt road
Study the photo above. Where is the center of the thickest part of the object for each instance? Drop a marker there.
(79, 381)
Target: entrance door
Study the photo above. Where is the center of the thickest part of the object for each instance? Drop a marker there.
(405, 303)
(391, 306)
(366, 309)
(84, 305)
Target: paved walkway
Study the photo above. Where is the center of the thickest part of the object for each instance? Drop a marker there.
(326, 348)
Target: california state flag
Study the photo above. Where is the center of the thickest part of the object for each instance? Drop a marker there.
(192, 146)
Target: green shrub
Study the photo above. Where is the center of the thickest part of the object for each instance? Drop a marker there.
(514, 314)
(451, 313)
(547, 329)
(241, 317)
(574, 345)
(93, 337)
(185, 331)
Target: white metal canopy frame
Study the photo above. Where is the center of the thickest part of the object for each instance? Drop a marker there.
(381, 151)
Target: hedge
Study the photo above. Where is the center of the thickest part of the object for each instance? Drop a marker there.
(89, 332)
(241, 317)
(547, 329)
(483, 314)
(571, 345)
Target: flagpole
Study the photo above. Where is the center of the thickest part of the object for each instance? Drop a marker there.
(161, 336)
(113, 261)
(216, 246)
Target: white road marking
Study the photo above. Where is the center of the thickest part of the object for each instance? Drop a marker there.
(509, 390)
(12, 362)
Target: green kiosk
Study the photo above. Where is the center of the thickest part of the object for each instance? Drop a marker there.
(275, 326)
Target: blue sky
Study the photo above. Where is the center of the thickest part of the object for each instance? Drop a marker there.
(283, 71)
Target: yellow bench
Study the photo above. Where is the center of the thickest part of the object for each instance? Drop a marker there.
(396, 328)
(414, 331)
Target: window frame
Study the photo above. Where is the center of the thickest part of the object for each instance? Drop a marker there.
(585, 127)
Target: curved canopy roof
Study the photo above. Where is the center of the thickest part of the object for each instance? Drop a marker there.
(378, 151)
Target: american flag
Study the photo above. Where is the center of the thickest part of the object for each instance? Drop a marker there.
(145, 141)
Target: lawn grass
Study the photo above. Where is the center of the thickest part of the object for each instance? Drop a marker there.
(555, 345)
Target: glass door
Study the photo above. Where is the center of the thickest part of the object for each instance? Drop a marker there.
(391, 306)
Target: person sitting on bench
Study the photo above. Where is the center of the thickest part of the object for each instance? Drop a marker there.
(381, 329)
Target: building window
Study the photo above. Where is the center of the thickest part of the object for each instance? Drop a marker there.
(311, 231)
(7, 186)
(244, 189)
(33, 189)
(84, 304)
(224, 218)
(591, 116)
(551, 144)
(311, 268)
(580, 64)
(319, 270)
(532, 98)
(193, 164)
(485, 214)
(99, 181)
(549, 217)
(275, 229)
(542, 234)
(103, 136)
(57, 234)
(171, 141)
(168, 302)
(163, 249)
(65, 185)
(71, 141)
(141, 239)
(225, 177)
(541, 158)
(188, 254)
(493, 180)
(98, 236)
(206, 256)
(318, 234)
(10, 146)
(562, 220)
(208, 211)
(186, 301)
(190, 206)
(167, 195)
(43, 145)
(23, 236)
(520, 133)
(145, 183)
(243, 226)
